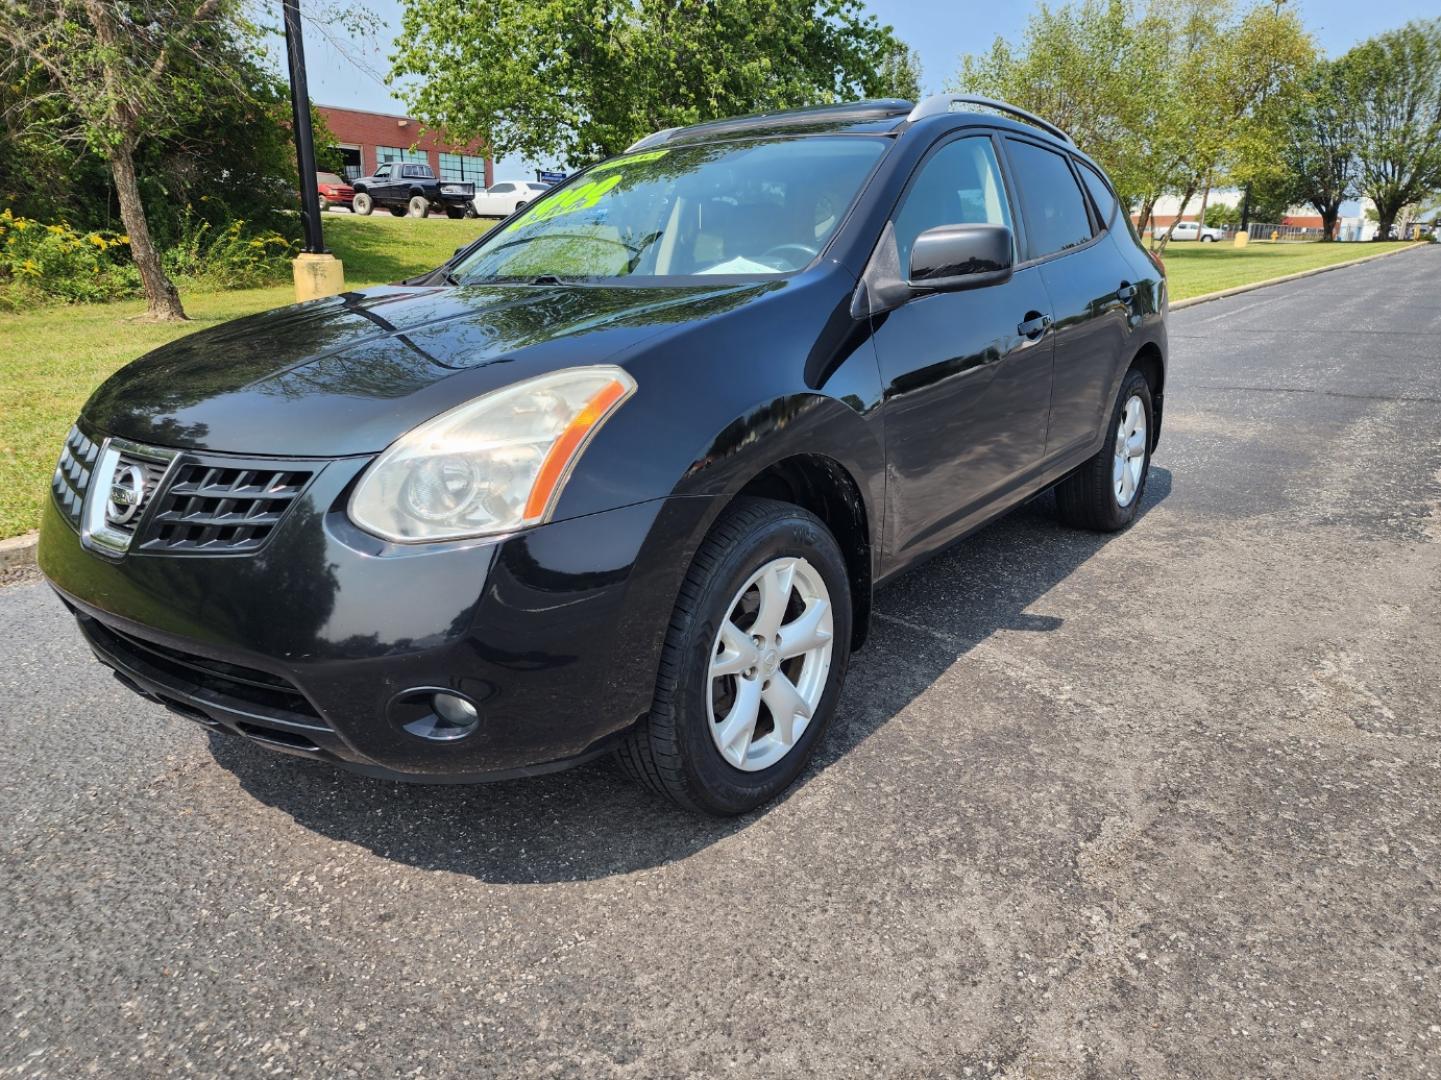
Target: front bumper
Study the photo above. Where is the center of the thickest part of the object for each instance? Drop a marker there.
(554, 633)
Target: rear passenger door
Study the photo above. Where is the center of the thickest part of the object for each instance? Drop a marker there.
(1088, 282)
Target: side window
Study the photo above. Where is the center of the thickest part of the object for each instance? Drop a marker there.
(502, 189)
(960, 185)
(382, 172)
(1100, 191)
(411, 170)
(1054, 209)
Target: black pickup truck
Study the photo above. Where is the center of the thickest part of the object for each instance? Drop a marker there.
(406, 187)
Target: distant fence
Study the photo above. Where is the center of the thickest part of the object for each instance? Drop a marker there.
(1262, 232)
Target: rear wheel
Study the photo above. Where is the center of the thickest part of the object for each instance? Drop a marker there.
(419, 206)
(1105, 492)
(752, 664)
(455, 213)
(362, 204)
(396, 211)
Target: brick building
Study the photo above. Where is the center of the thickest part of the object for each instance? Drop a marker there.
(368, 140)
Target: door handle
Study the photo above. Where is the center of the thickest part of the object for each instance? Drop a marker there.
(1126, 293)
(1034, 326)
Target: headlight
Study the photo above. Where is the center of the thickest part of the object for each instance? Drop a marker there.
(494, 464)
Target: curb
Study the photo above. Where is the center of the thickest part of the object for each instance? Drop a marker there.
(18, 551)
(1237, 290)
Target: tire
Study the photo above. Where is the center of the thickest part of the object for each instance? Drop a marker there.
(324, 204)
(396, 211)
(419, 206)
(1089, 498)
(362, 204)
(1208, 239)
(455, 213)
(519, 206)
(673, 750)
(470, 211)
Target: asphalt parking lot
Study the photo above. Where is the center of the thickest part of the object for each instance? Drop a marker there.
(1157, 805)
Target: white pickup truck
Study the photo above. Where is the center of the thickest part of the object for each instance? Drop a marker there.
(1188, 230)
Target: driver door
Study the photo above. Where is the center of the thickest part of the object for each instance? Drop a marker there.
(967, 375)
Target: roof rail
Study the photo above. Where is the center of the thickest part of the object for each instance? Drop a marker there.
(941, 103)
(652, 138)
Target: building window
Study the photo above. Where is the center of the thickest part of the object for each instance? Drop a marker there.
(463, 167)
(396, 153)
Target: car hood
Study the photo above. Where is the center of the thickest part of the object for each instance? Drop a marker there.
(350, 374)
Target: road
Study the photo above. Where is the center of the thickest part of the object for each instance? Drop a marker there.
(1157, 805)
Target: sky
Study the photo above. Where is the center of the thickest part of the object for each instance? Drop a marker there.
(942, 30)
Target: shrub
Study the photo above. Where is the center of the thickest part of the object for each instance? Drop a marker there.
(54, 261)
(42, 262)
(231, 256)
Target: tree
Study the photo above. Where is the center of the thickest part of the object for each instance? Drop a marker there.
(1097, 69)
(111, 65)
(1392, 86)
(1318, 146)
(900, 73)
(578, 80)
(1163, 96)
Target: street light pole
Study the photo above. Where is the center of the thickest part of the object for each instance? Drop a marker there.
(317, 272)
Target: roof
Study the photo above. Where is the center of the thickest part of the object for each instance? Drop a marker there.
(880, 116)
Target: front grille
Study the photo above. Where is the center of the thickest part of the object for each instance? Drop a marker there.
(186, 672)
(154, 472)
(213, 508)
(205, 504)
(72, 474)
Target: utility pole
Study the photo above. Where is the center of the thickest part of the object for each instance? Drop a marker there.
(317, 272)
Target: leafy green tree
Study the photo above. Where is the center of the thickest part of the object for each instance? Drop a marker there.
(900, 73)
(1221, 216)
(1392, 84)
(1318, 146)
(1098, 69)
(578, 80)
(1164, 96)
(111, 65)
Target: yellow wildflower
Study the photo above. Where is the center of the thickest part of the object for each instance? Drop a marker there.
(98, 241)
(21, 224)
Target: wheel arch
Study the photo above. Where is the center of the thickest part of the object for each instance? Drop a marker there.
(1149, 362)
(823, 486)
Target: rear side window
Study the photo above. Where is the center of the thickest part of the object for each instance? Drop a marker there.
(959, 185)
(1100, 192)
(1054, 209)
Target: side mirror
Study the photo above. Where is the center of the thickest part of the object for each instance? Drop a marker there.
(949, 258)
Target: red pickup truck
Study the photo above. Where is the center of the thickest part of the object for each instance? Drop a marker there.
(334, 191)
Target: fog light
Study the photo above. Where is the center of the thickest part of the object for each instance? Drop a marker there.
(450, 717)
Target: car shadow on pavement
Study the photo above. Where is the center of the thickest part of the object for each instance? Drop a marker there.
(591, 822)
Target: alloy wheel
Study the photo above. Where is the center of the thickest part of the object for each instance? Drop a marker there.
(1130, 459)
(769, 664)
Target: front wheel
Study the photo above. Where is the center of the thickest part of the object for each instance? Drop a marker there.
(455, 213)
(752, 664)
(1105, 492)
(419, 206)
(1208, 239)
(362, 204)
(324, 204)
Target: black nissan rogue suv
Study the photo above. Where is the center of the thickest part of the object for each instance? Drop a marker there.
(623, 475)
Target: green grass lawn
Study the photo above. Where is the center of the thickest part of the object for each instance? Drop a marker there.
(55, 356)
(1194, 269)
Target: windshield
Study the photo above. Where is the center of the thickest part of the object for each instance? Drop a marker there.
(753, 209)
